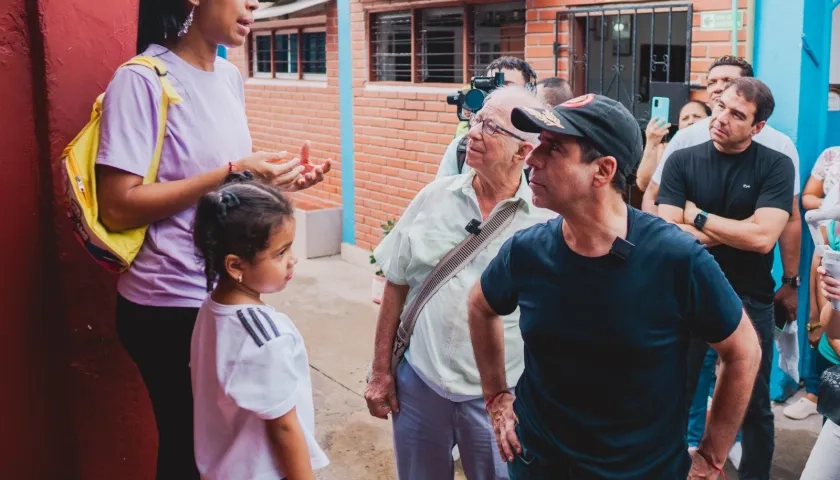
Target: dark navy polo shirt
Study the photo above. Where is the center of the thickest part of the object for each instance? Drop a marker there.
(602, 394)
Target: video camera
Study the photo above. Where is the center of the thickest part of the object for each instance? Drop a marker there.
(473, 99)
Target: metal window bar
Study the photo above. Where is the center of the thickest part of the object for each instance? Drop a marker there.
(612, 83)
(285, 53)
(314, 52)
(660, 64)
(498, 30)
(391, 46)
(262, 54)
(440, 45)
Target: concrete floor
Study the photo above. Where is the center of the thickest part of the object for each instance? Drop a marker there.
(329, 300)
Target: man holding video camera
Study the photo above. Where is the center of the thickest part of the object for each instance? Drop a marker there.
(516, 72)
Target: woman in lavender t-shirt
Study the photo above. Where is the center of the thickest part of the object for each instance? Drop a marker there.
(206, 138)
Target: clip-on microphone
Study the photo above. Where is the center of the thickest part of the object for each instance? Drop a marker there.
(621, 248)
(473, 227)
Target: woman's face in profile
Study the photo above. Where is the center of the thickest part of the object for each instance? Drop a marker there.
(691, 113)
(225, 22)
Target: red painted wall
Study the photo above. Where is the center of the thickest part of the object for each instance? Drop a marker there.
(113, 432)
(26, 416)
(72, 404)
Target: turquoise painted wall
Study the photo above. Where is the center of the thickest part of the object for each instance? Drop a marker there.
(345, 92)
(832, 132)
(792, 39)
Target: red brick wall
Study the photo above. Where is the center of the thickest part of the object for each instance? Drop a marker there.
(282, 115)
(400, 136)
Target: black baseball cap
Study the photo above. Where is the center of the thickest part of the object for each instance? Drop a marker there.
(604, 122)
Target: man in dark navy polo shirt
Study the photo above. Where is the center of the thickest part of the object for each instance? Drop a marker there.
(608, 297)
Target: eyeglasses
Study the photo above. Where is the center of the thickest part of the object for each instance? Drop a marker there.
(488, 127)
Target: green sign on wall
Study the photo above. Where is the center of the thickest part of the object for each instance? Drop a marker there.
(719, 20)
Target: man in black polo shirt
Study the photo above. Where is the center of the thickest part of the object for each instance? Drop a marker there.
(734, 195)
(608, 296)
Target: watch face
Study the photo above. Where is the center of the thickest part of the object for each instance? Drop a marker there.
(699, 221)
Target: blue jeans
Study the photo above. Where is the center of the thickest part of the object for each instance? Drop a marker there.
(758, 440)
(705, 388)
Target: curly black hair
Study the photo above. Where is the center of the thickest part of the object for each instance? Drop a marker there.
(237, 219)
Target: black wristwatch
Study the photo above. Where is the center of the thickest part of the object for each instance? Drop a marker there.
(792, 281)
(700, 220)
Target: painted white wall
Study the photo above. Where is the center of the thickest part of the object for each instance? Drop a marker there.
(835, 47)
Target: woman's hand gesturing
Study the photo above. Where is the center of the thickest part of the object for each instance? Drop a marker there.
(292, 175)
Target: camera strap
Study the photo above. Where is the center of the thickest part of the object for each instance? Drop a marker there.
(461, 153)
(452, 263)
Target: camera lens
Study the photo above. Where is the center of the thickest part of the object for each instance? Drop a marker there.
(474, 99)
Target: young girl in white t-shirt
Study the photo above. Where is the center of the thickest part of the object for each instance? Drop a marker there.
(254, 416)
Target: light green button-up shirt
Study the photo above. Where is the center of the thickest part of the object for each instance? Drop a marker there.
(433, 224)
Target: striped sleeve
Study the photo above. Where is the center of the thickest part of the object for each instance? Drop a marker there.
(259, 325)
(264, 378)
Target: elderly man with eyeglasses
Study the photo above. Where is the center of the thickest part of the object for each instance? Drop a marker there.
(434, 393)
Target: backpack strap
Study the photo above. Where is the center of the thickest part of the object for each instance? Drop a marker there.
(154, 63)
(170, 96)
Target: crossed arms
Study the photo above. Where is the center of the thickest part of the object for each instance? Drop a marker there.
(757, 233)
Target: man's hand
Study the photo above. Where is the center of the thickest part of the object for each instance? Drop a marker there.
(381, 395)
(789, 298)
(700, 467)
(504, 425)
(310, 174)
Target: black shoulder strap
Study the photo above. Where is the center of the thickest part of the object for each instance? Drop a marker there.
(461, 153)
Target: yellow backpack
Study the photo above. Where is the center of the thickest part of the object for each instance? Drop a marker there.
(115, 251)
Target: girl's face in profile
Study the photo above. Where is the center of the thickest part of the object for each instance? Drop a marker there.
(273, 268)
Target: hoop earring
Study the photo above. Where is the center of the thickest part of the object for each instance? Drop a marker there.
(187, 24)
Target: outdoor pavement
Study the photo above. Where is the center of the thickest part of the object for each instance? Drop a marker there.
(330, 302)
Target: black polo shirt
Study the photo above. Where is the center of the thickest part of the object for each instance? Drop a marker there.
(732, 186)
(602, 393)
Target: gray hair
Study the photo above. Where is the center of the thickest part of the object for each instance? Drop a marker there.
(508, 97)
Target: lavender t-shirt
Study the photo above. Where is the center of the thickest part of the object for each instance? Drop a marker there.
(206, 130)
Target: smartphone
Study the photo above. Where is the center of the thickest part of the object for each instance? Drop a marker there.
(661, 107)
(781, 316)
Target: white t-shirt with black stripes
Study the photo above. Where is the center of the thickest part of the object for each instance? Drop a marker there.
(249, 365)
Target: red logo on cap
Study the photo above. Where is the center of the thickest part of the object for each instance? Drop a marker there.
(579, 101)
